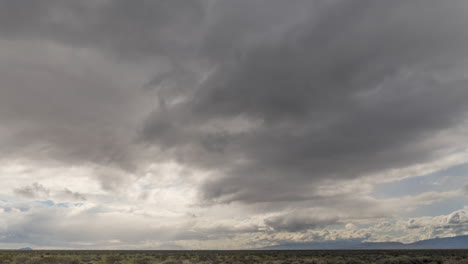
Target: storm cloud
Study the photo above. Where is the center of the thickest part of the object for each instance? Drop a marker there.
(268, 106)
(356, 89)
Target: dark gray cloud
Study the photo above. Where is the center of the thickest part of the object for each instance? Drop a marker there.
(39, 191)
(74, 195)
(128, 30)
(66, 94)
(272, 97)
(352, 90)
(300, 221)
(35, 190)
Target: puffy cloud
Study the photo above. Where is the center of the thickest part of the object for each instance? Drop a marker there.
(455, 223)
(413, 224)
(458, 217)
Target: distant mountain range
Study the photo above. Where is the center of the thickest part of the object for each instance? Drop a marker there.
(458, 242)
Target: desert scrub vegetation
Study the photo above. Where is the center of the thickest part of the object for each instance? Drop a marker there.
(235, 257)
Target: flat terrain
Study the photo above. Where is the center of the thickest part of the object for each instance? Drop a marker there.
(254, 256)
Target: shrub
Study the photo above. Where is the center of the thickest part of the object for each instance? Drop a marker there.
(112, 259)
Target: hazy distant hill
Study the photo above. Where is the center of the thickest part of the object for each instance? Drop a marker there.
(459, 242)
(26, 248)
(332, 244)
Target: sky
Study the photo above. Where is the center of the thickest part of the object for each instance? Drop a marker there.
(222, 124)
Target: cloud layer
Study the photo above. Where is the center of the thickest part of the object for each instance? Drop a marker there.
(288, 114)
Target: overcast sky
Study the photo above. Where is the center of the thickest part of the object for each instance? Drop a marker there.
(231, 124)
